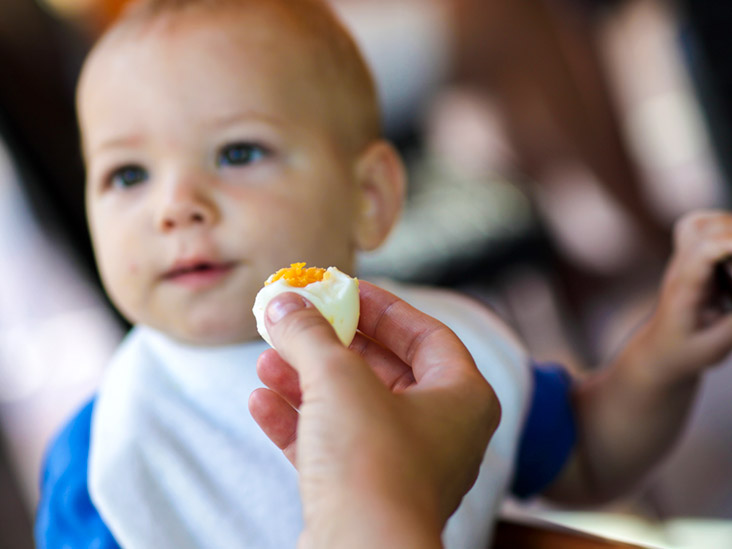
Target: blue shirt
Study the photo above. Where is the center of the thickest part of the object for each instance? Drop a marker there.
(549, 433)
(67, 519)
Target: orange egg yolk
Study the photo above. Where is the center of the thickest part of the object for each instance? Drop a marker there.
(297, 276)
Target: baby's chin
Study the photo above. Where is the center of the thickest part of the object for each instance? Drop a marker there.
(213, 333)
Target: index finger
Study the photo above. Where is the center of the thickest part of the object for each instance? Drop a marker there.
(693, 268)
(421, 341)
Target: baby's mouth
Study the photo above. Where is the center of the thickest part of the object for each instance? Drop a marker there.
(198, 272)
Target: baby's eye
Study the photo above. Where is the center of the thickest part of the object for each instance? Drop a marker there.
(128, 176)
(241, 154)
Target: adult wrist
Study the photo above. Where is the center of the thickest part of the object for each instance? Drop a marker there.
(377, 513)
(385, 524)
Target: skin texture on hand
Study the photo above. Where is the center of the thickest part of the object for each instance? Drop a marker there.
(690, 330)
(388, 435)
(630, 414)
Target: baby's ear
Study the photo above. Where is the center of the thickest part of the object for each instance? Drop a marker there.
(381, 180)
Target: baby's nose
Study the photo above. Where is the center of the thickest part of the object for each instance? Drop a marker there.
(185, 208)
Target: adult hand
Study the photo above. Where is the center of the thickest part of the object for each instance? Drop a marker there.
(390, 433)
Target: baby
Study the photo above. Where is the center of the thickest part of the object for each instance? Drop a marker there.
(225, 139)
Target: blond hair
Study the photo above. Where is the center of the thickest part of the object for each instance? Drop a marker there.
(351, 91)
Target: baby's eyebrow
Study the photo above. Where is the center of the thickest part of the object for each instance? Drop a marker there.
(228, 119)
(117, 142)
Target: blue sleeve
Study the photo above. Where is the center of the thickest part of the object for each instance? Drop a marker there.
(66, 517)
(549, 433)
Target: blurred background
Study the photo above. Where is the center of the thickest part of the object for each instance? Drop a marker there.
(550, 145)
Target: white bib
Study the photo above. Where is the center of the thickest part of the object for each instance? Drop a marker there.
(176, 460)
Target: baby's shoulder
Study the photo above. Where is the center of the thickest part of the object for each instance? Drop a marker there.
(66, 516)
(68, 450)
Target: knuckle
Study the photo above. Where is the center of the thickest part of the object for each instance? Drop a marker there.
(708, 250)
(336, 366)
(495, 411)
(360, 345)
(305, 325)
(487, 404)
(699, 224)
(688, 227)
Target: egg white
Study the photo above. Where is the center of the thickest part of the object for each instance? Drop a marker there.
(336, 297)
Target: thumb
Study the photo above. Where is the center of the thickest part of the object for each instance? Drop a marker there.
(301, 335)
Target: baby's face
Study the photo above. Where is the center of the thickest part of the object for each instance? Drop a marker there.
(209, 166)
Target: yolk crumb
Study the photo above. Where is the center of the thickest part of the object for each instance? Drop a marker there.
(298, 276)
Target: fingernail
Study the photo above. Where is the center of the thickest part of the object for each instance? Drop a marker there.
(283, 305)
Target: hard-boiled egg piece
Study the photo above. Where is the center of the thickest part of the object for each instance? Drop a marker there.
(334, 294)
